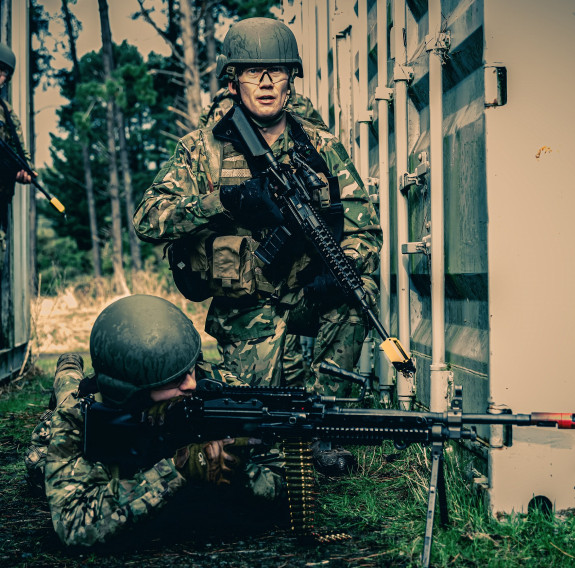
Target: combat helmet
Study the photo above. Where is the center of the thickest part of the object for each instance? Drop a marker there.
(140, 343)
(7, 59)
(258, 41)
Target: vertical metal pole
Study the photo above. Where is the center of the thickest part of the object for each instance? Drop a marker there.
(310, 33)
(383, 95)
(323, 30)
(438, 375)
(405, 387)
(364, 117)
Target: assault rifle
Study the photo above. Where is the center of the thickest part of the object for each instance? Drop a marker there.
(14, 162)
(217, 411)
(292, 192)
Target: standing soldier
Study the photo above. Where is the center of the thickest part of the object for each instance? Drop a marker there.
(296, 358)
(214, 211)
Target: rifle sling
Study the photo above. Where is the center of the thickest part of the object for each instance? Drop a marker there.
(334, 214)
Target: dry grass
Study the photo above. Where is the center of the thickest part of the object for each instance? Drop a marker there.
(63, 323)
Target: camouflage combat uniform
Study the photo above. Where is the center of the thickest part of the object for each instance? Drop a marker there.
(252, 307)
(89, 502)
(295, 367)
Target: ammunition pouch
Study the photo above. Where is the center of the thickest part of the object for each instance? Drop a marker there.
(211, 265)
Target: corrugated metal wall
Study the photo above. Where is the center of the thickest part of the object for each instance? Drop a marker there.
(15, 275)
(373, 83)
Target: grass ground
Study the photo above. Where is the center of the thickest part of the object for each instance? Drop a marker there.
(383, 506)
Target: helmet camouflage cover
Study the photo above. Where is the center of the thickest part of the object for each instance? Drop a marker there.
(139, 343)
(258, 41)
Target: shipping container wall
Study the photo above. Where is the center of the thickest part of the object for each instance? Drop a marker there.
(456, 128)
(15, 267)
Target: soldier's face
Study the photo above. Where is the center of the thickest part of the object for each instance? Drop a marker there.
(265, 97)
(183, 386)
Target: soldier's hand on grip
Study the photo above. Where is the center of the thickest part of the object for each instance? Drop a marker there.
(208, 461)
(251, 203)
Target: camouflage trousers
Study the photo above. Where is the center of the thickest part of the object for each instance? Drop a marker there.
(253, 342)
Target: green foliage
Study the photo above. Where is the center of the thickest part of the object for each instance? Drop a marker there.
(144, 94)
(61, 261)
(385, 505)
(40, 57)
(252, 8)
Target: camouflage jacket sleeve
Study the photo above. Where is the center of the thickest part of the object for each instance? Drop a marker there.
(361, 231)
(5, 133)
(180, 200)
(89, 503)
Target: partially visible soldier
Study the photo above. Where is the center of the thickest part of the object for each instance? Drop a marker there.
(145, 352)
(10, 127)
(11, 133)
(215, 211)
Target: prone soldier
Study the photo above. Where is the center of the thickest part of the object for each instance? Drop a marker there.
(145, 353)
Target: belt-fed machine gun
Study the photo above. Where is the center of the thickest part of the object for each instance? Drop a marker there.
(216, 411)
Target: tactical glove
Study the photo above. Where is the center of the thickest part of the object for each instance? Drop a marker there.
(156, 414)
(207, 461)
(251, 203)
(324, 289)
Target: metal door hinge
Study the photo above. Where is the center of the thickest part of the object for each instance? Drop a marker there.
(383, 94)
(421, 247)
(403, 73)
(365, 116)
(416, 178)
(495, 85)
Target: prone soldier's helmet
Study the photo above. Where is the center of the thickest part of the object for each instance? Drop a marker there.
(256, 42)
(7, 59)
(139, 343)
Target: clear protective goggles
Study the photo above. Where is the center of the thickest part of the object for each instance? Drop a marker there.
(255, 75)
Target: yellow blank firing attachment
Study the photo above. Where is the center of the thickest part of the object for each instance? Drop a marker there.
(55, 202)
(397, 355)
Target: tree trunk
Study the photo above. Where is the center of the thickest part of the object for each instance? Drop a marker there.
(209, 31)
(88, 179)
(189, 24)
(96, 260)
(135, 248)
(114, 190)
